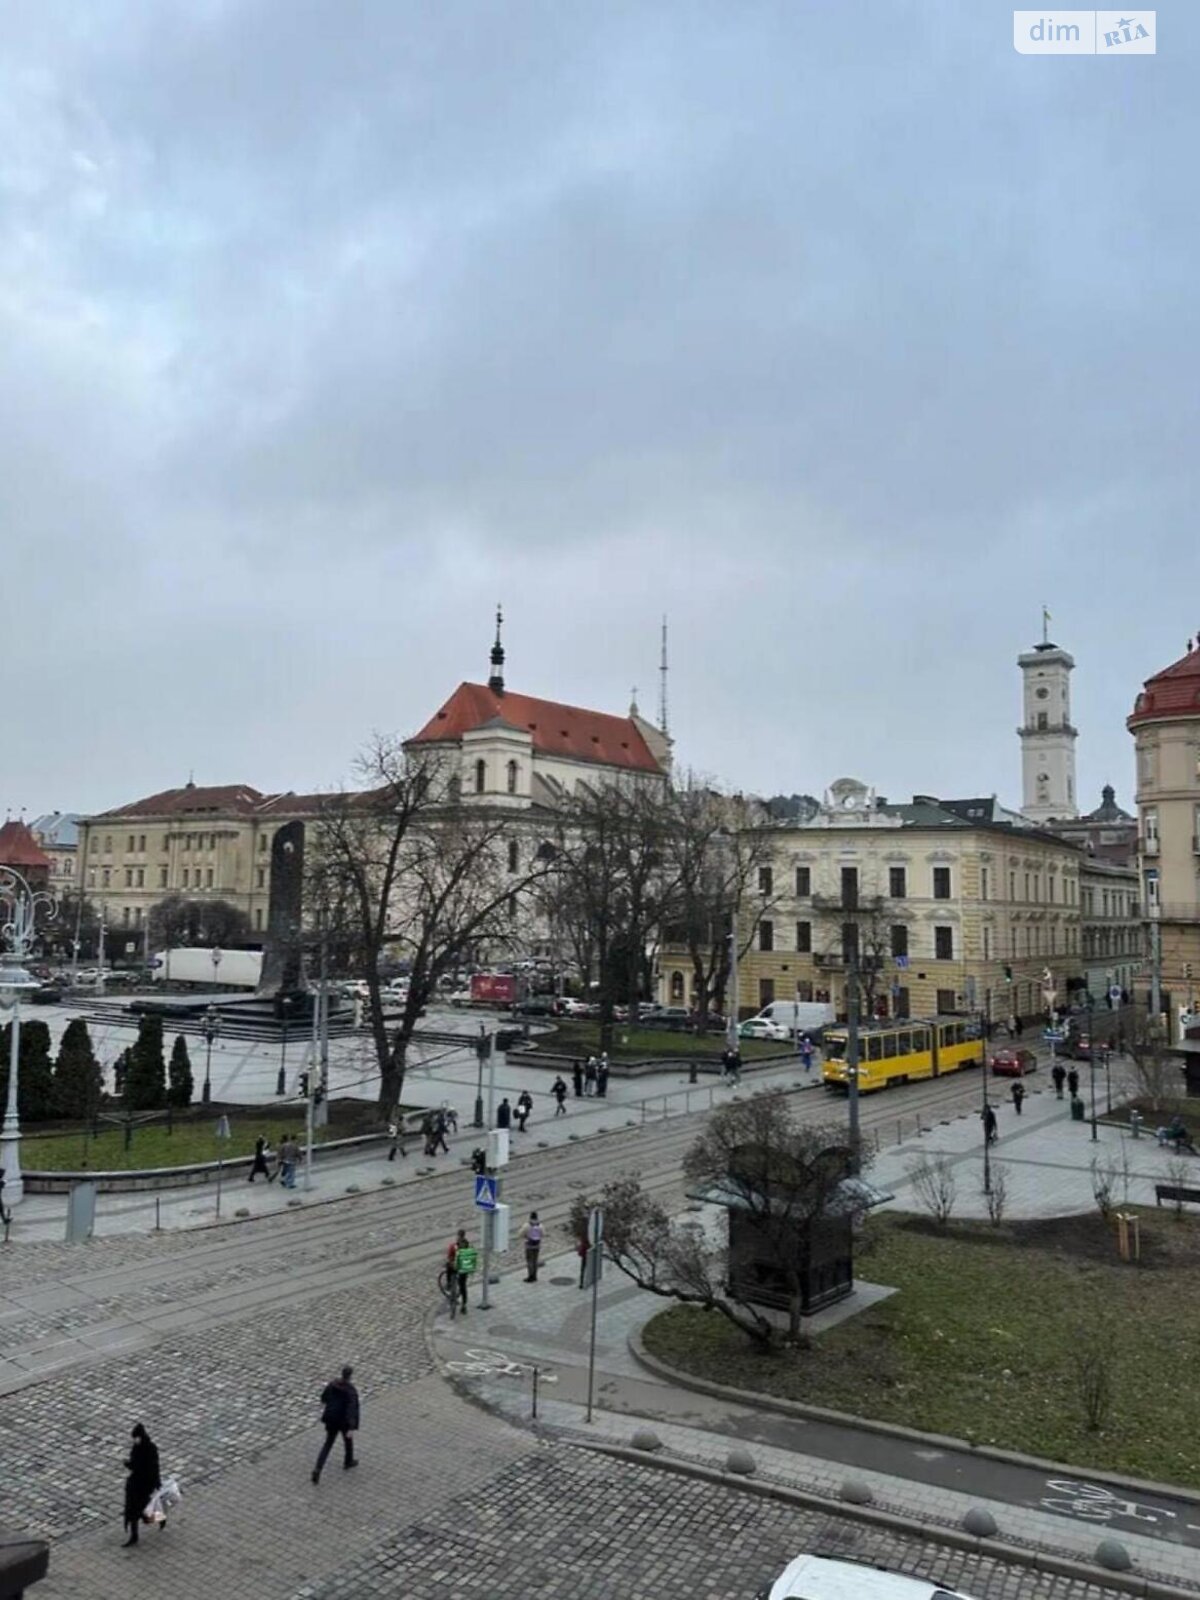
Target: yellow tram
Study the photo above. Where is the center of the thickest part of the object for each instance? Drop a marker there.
(903, 1051)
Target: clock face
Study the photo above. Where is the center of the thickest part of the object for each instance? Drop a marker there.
(1043, 694)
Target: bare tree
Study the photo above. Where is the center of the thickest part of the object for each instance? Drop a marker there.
(406, 866)
(756, 1158)
(1156, 1071)
(720, 851)
(935, 1185)
(611, 885)
(178, 920)
(997, 1196)
(1093, 1375)
(1105, 1174)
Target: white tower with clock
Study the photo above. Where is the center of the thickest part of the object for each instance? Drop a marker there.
(1047, 737)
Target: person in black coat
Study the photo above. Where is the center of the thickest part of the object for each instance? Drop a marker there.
(504, 1114)
(1073, 1082)
(144, 1478)
(339, 1414)
(577, 1078)
(259, 1163)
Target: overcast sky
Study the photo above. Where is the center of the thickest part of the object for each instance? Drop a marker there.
(843, 334)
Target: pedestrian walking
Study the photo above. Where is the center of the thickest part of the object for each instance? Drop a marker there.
(289, 1157)
(533, 1246)
(602, 1077)
(439, 1132)
(427, 1132)
(589, 1077)
(806, 1052)
(1012, 1027)
(461, 1261)
(504, 1114)
(449, 1116)
(144, 1478)
(396, 1138)
(989, 1124)
(577, 1078)
(259, 1163)
(524, 1107)
(1059, 1074)
(339, 1414)
(5, 1213)
(559, 1090)
(1073, 1082)
(581, 1250)
(1018, 1096)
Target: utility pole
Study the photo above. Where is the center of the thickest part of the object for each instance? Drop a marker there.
(1155, 969)
(488, 1042)
(852, 1049)
(731, 1021)
(323, 1005)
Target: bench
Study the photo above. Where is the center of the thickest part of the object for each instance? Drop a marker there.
(1175, 1191)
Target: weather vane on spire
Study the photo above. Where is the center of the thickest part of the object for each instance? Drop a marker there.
(496, 680)
(1045, 626)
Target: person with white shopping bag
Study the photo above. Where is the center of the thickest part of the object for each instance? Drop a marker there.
(143, 1482)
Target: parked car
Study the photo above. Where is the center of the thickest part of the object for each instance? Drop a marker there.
(458, 997)
(571, 1007)
(1010, 1063)
(762, 1028)
(536, 1005)
(1076, 1047)
(827, 1578)
(49, 994)
(670, 1017)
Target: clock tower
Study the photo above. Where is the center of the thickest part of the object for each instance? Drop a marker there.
(1047, 737)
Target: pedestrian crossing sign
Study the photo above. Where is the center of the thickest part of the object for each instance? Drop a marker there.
(485, 1193)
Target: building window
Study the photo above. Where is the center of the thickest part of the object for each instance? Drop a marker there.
(185, 877)
(804, 875)
(513, 855)
(106, 878)
(945, 1002)
(897, 883)
(901, 1002)
(765, 880)
(943, 944)
(899, 939)
(91, 877)
(849, 941)
(262, 877)
(166, 841)
(208, 878)
(941, 883)
(1150, 828)
(804, 938)
(129, 844)
(676, 988)
(141, 877)
(766, 992)
(987, 942)
(162, 877)
(125, 916)
(850, 888)
(766, 936)
(480, 776)
(262, 842)
(1043, 721)
(512, 777)
(258, 920)
(129, 877)
(984, 883)
(108, 844)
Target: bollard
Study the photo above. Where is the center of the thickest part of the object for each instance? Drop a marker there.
(1135, 1124)
(157, 1215)
(535, 1392)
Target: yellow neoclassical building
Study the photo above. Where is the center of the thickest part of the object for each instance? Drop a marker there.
(954, 905)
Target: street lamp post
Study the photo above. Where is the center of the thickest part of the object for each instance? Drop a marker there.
(20, 905)
(1091, 1035)
(216, 961)
(211, 1029)
(1107, 1082)
(481, 1050)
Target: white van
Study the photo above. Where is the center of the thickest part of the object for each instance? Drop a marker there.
(799, 1016)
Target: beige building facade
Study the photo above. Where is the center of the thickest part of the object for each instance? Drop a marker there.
(1165, 724)
(949, 914)
(1112, 927)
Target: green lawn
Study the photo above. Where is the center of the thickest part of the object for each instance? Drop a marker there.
(153, 1146)
(984, 1339)
(639, 1044)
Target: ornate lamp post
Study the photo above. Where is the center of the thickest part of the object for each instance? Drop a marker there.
(19, 904)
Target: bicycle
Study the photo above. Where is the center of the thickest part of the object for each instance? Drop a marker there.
(447, 1282)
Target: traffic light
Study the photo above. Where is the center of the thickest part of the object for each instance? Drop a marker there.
(479, 1162)
(302, 1086)
(1008, 974)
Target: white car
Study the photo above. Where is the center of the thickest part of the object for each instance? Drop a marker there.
(458, 997)
(763, 1028)
(824, 1578)
(573, 1008)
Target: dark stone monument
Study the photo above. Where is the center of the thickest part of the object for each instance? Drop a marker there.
(285, 914)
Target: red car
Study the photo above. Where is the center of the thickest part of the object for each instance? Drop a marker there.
(1013, 1063)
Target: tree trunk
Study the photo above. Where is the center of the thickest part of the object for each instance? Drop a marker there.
(391, 1075)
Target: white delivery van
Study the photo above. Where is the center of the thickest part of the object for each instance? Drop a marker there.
(800, 1016)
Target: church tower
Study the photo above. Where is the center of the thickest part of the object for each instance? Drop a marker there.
(1047, 737)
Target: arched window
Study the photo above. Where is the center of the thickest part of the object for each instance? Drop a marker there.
(455, 787)
(676, 988)
(480, 776)
(512, 777)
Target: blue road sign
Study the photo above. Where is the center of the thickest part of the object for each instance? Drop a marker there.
(485, 1193)
(1053, 1035)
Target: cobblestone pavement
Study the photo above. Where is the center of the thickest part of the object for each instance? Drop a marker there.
(561, 1522)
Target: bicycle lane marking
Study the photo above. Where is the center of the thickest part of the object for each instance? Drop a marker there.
(1096, 1503)
(494, 1363)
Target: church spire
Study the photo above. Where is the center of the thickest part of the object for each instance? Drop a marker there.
(496, 681)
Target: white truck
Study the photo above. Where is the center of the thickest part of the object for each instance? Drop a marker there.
(239, 969)
(799, 1016)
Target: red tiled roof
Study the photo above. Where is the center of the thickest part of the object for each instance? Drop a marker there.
(18, 847)
(239, 798)
(1173, 692)
(556, 730)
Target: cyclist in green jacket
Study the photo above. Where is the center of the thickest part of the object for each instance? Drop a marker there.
(462, 1259)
